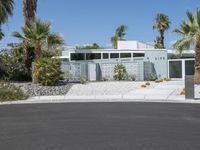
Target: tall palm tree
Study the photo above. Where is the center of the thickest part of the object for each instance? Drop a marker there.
(29, 10)
(121, 31)
(114, 40)
(37, 34)
(190, 32)
(6, 8)
(162, 24)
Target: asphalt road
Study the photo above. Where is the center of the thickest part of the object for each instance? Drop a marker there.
(100, 126)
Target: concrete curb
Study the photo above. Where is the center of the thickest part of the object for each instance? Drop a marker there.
(97, 99)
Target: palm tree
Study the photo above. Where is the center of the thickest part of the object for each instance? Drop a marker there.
(157, 43)
(37, 34)
(114, 40)
(121, 31)
(29, 10)
(6, 8)
(190, 32)
(162, 24)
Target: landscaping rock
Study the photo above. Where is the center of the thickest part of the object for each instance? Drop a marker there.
(37, 90)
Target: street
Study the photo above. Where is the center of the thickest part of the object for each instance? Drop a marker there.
(100, 126)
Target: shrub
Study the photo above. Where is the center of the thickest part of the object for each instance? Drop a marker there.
(12, 69)
(152, 77)
(133, 77)
(143, 86)
(119, 72)
(167, 79)
(147, 83)
(182, 92)
(10, 92)
(83, 79)
(158, 81)
(104, 79)
(47, 71)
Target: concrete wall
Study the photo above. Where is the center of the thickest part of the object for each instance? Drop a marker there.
(159, 59)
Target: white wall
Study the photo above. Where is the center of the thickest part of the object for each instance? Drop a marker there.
(133, 45)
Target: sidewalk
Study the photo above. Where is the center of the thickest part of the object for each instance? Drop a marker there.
(168, 92)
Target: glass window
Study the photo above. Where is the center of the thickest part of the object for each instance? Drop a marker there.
(114, 55)
(125, 55)
(105, 55)
(92, 56)
(77, 56)
(175, 69)
(138, 54)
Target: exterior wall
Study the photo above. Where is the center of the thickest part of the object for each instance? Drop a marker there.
(134, 69)
(159, 59)
(133, 45)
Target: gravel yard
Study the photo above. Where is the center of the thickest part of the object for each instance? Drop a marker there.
(103, 88)
(36, 90)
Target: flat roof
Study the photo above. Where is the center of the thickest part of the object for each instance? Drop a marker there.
(112, 50)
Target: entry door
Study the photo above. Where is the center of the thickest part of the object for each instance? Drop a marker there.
(92, 72)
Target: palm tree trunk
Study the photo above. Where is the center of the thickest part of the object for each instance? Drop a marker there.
(38, 53)
(197, 64)
(162, 39)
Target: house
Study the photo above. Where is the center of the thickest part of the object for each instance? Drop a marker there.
(140, 59)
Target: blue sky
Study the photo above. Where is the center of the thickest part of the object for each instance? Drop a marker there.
(88, 21)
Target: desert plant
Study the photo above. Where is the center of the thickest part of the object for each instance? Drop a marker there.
(6, 8)
(147, 83)
(167, 79)
(162, 24)
(158, 81)
(133, 77)
(189, 31)
(104, 79)
(47, 71)
(10, 92)
(152, 77)
(143, 86)
(37, 34)
(182, 92)
(83, 79)
(119, 72)
(11, 68)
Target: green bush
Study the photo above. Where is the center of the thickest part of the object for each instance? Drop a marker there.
(119, 72)
(83, 80)
(104, 79)
(10, 92)
(47, 71)
(13, 70)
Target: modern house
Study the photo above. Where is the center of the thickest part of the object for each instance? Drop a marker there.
(140, 59)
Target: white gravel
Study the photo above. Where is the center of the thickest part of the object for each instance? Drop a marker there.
(103, 88)
(164, 90)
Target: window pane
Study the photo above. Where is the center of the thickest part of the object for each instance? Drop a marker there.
(175, 69)
(77, 56)
(93, 56)
(138, 54)
(105, 55)
(114, 55)
(125, 55)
